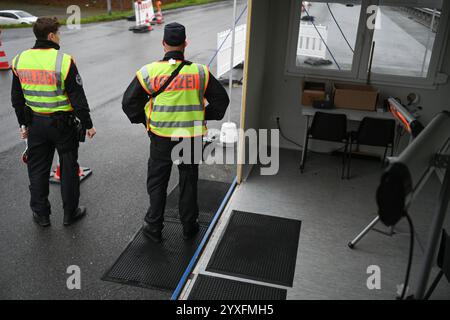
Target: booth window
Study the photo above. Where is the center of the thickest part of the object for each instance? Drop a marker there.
(327, 35)
(390, 41)
(404, 38)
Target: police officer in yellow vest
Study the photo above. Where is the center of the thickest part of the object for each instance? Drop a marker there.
(48, 97)
(168, 97)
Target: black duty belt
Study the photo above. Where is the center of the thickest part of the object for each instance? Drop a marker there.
(42, 115)
(49, 115)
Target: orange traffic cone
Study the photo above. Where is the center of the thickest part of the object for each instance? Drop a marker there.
(159, 15)
(4, 65)
(55, 176)
(159, 18)
(148, 22)
(82, 173)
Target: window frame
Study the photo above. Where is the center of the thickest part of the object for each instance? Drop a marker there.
(294, 30)
(363, 44)
(9, 15)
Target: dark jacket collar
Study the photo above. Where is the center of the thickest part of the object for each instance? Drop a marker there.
(45, 44)
(177, 55)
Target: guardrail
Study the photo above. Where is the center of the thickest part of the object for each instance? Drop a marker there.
(425, 16)
(429, 11)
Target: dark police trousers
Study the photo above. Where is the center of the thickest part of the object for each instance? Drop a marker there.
(43, 138)
(159, 169)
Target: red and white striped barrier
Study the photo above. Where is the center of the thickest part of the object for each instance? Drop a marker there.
(144, 14)
(4, 64)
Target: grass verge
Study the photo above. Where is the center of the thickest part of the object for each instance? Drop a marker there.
(186, 3)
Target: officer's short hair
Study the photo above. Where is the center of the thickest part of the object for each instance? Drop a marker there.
(44, 26)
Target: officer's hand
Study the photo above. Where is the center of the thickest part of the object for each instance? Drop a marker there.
(23, 132)
(91, 132)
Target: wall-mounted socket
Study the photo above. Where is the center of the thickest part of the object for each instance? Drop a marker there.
(274, 118)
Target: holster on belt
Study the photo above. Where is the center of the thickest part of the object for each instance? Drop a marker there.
(81, 132)
(67, 121)
(63, 121)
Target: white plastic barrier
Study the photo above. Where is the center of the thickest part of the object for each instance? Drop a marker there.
(224, 54)
(144, 12)
(309, 42)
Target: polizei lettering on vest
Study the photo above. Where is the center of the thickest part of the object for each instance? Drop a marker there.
(37, 77)
(181, 82)
(186, 310)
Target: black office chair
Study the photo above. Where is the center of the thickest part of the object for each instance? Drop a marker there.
(373, 132)
(328, 127)
(443, 262)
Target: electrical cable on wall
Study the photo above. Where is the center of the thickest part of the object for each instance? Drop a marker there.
(297, 144)
(282, 134)
(401, 131)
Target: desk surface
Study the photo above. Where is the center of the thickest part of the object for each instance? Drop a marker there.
(353, 115)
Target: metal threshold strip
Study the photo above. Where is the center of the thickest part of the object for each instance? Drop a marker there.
(202, 245)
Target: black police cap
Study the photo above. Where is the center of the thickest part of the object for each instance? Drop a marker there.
(174, 34)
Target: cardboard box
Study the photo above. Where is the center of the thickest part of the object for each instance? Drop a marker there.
(352, 96)
(312, 91)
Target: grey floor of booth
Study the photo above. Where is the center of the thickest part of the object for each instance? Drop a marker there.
(333, 212)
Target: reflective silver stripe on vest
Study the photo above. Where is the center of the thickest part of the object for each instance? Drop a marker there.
(201, 73)
(47, 104)
(34, 93)
(146, 78)
(177, 124)
(58, 69)
(158, 108)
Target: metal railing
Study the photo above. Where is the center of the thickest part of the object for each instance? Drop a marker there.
(425, 16)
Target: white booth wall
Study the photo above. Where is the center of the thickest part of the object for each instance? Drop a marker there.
(254, 70)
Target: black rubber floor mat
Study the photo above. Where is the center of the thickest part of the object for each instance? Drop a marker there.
(258, 247)
(213, 288)
(210, 196)
(152, 265)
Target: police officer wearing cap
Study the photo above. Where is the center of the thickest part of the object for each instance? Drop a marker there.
(169, 97)
(48, 97)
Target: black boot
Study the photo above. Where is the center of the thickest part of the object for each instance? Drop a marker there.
(43, 221)
(71, 218)
(152, 234)
(191, 231)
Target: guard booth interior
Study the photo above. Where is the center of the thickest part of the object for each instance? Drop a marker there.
(334, 210)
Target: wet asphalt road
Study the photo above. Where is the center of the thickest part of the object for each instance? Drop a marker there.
(33, 261)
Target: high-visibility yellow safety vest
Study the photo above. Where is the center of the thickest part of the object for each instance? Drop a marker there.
(179, 111)
(42, 73)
